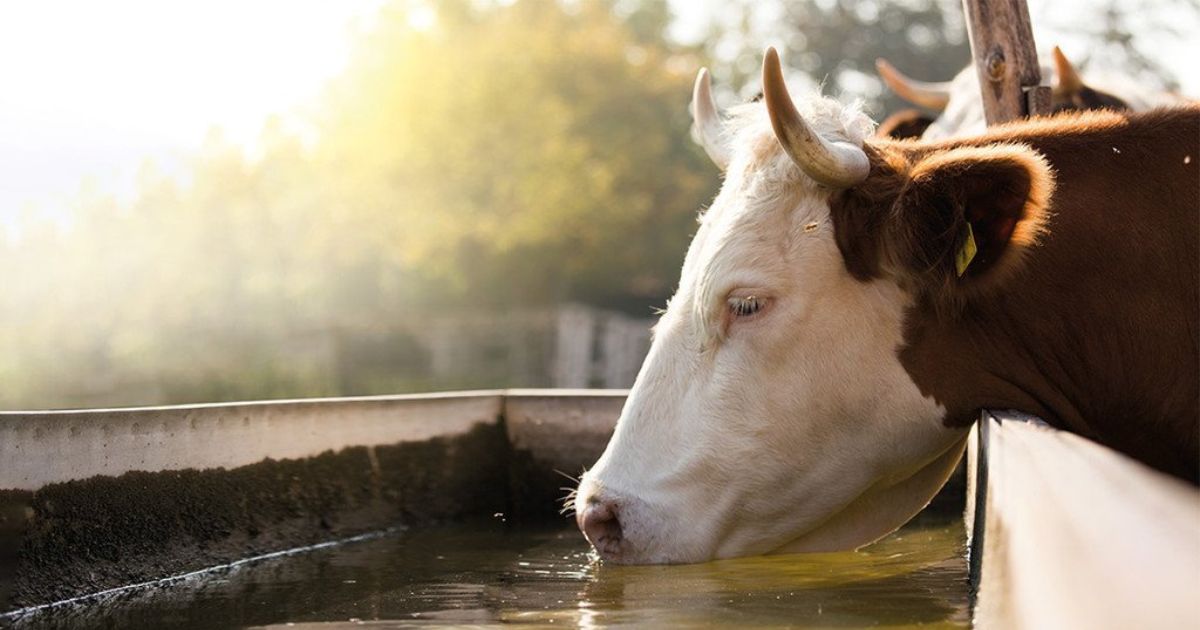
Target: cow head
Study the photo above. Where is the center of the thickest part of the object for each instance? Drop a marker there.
(773, 412)
(960, 109)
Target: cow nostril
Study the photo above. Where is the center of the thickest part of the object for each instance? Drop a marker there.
(601, 526)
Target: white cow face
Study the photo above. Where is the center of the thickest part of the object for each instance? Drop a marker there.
(772, 413)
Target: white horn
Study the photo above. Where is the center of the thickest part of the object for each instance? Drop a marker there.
(935, 96)
(706, 121)
(834, 164)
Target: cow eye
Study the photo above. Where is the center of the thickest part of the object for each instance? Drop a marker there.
(745, 306)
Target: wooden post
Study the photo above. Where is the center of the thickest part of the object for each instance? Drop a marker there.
(1006, 59)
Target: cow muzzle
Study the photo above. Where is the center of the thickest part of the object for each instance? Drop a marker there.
(601, 525)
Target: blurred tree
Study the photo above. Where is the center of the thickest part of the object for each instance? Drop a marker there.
(835, 43)
(494, 155)
(1115, 34)
(530, 153)
(647, 20)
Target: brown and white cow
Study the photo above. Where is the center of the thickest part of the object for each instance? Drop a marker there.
(810, 385)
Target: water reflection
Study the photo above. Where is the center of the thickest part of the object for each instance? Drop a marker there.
(486, 575)
(914, 577)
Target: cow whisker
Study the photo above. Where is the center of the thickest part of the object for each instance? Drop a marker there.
(575, 479)
(568, 501)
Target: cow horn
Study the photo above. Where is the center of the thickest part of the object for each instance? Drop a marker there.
(706, 121)
(935, 96)
(1067, 79)
(834, 164)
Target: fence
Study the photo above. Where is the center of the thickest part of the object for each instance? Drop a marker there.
(569, 345)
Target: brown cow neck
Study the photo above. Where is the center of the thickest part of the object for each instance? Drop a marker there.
(1095, 331)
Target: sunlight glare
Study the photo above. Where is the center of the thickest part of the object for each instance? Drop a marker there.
(89, 89)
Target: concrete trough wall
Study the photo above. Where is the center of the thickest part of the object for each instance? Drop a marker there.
(95, 500)
(1066, 533)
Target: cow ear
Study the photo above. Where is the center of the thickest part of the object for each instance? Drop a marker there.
(966, 216)
(906, 123)
(1070, 92)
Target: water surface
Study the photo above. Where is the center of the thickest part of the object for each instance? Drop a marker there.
(487, 574)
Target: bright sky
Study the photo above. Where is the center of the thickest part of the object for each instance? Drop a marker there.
(92, 88)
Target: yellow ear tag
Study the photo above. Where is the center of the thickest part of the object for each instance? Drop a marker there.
(966, 252)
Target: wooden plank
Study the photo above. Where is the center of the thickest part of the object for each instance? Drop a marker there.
(1076, 535)
(1005, 58)
(1038, 100)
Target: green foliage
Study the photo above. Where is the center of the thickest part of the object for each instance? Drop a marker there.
(514, 155)
(500, 159)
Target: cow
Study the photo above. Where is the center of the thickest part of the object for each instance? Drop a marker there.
(850, 303)
(960, 108)
(906, 123)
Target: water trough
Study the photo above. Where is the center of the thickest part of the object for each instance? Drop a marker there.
(1062, 531)
(95, 500)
